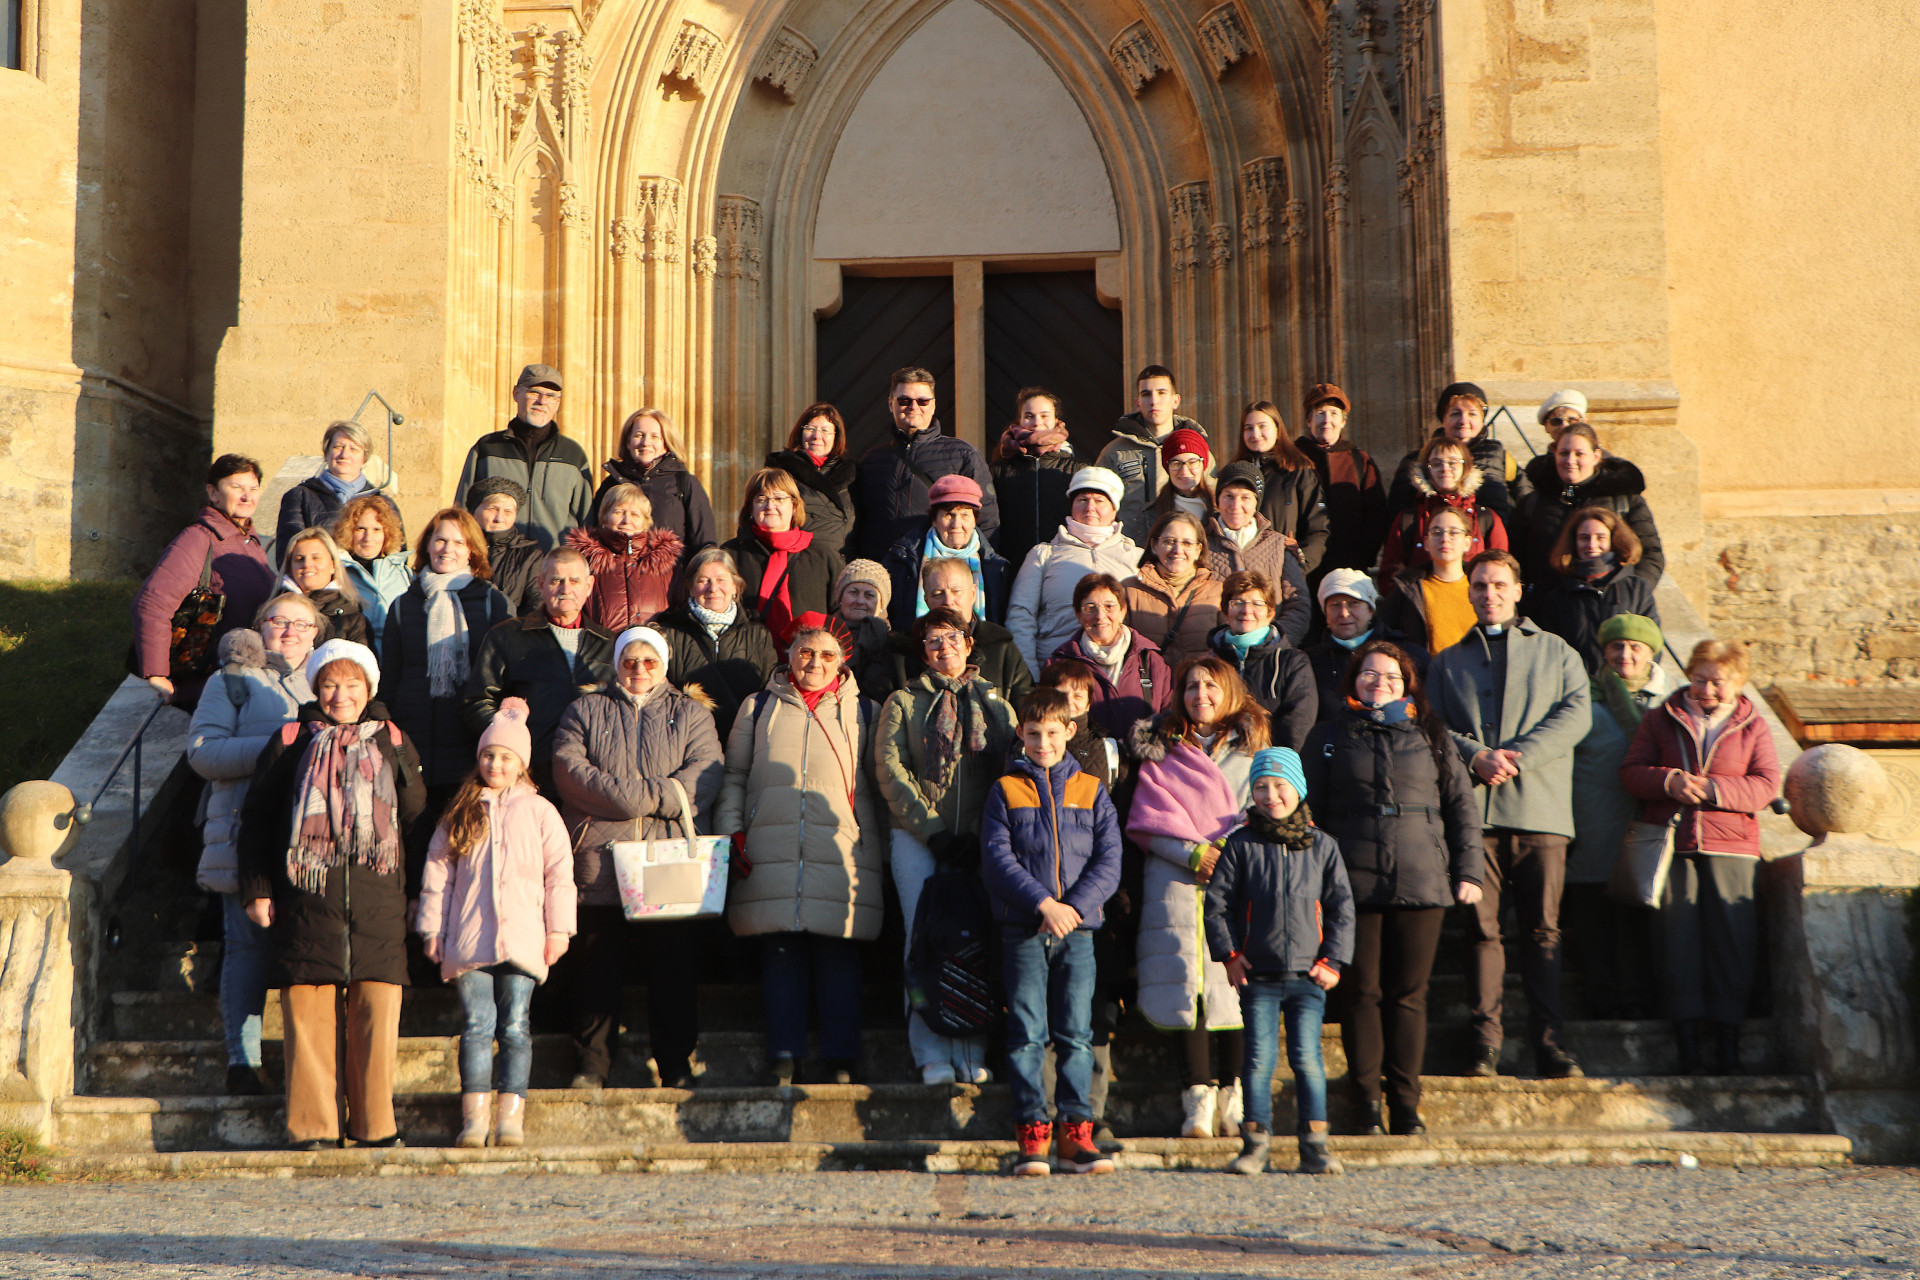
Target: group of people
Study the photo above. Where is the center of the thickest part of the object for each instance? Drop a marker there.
(1213, 740)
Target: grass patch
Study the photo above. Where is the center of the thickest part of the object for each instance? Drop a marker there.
(22, 1158)
(63, 648)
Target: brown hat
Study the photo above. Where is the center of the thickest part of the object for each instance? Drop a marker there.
(1327, 393)
(538, 375)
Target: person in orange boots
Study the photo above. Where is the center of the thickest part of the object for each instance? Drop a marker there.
(1050, 854)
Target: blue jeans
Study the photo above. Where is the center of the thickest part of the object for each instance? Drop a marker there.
(789, 964)
(1049, 998)
(246, 966)
(1262, 1001)
(495, 1001)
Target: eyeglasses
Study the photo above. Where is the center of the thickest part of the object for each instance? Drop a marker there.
(635, 664)
(299, 626)
(945, 640)
(1445, 532)
(1177, 544)
(910, 402)
(1446, 464)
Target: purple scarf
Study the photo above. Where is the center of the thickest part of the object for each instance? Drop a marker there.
(1184, 796)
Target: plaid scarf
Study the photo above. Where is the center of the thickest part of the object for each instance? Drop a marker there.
(345, 808)
(955, 722)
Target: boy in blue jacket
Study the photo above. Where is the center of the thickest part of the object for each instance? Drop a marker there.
(1050, 854)
(1280, 917)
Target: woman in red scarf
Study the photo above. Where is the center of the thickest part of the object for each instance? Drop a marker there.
(786, 571)
(1446, 478)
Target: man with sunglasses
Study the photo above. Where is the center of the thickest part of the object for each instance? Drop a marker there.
(890, 489)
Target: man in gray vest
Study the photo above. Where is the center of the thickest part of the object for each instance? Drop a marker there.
(1516, 701)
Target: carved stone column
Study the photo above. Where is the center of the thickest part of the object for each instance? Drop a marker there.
(36, 958)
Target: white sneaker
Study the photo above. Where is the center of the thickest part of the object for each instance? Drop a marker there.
(938, 1073)
(1197, 1103)
(1231, 1111)
(982, 1076)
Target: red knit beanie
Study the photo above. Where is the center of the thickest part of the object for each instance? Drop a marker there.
(1184, 440)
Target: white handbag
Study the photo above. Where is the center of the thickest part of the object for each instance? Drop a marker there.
(684, 878)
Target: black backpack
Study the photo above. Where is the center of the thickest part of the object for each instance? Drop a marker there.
(950, 963)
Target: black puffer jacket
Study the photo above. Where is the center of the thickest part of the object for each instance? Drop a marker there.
(345, 621)
(520, 658)
(1283, 909)
(515, 561)
(1502, 487)
(1032, 492)
(679, 500)
(1280, 679)
(728, 670)
(1616, 484)
(1573, 608)
(890, 487)
(311, 504)
(1409, 856)
(810, 574)
(436, 726)
(1330, 661)
(1293, 502)
(828, 493)
(355, 929)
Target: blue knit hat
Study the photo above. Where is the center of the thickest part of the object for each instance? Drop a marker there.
(1280, 762)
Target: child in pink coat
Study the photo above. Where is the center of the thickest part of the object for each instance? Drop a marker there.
(496, 910)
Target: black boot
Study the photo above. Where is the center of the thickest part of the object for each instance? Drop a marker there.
(1686, 1040)
(1372, 1125)
(1316, 1157)
(1726, 1048)
(1405, 1123)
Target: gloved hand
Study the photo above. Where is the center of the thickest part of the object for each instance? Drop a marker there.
(739, 866)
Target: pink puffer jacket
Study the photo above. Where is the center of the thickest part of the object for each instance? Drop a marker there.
(498, 904)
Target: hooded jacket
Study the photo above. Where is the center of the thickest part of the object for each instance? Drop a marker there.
(1741, 766)
(521, 658)
(380, 582)
(1543, 713)
(1573, 608)
(1406, 544)
(1177, 621)
(891, 483)
(1407, 823)
(800, 785)
(1615, 484)
(1283, 909)
(632, 575)
(828, 494)
(1144, 688)
(1040, 610)
(1356, 502)
(1049, 833)
(903, 561)
(239, 570)
(901, 768)
(1280, 679)
(436, 726)
(611, 765)
(1032, 492)
(355, 929)
(679, 501)
(550, 466)
(1502, 485)
(515, 561)
(728, 669)
(1134, 456)
(1268, 554)
(498, 903)
(245, 703)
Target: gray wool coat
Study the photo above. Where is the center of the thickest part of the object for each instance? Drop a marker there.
(1543, 713)
(612, 762)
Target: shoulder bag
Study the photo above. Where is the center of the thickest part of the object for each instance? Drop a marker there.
(190, 647)
(679, 879)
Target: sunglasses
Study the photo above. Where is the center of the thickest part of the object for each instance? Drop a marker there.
(909, 402)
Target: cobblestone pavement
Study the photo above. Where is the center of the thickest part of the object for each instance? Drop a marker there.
(1513, 1224)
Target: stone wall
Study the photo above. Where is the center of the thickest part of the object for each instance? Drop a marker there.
(1823, 598)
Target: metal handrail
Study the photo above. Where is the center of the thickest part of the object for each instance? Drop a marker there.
(83, 812)
(394, 419)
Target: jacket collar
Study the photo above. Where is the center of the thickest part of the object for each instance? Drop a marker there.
(1055, 776)
(537, 621)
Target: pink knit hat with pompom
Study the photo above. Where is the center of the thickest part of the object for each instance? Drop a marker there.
(509, 730)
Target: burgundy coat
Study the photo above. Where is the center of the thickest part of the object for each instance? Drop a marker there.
(1116, 706)
(1742, 766)
(632, 577)
(240, 571)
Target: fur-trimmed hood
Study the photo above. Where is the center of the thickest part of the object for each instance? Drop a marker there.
(243, 650)
(1469, 483)
(1615, 477)
(1149, 740)
(655, 551)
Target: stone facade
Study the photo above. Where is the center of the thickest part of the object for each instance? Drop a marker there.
(1820, 597)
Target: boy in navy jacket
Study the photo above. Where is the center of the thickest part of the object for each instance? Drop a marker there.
(1050, 854)
(1280, 917)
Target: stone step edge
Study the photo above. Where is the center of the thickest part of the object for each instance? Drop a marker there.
(107, 1104)
(1555, 1147)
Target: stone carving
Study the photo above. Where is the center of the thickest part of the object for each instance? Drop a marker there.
(1835, 788)
(573, 213)
(1337, 195)
(1263, 184)
(1367, 27)
(1191, 204)
(737, 220)
(1295, 227)
(694, 57)
(657, 204)
(1219, 244)
(623, 237)
(575, 67)
(706, 252)
(35, 820)
(787, 62)
(1138, 56)
(1224, 36)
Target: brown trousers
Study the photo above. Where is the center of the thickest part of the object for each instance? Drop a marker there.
(314, 1049)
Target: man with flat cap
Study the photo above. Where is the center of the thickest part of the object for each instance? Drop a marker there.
(533, 454)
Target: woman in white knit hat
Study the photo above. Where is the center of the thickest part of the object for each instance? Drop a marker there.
(1040, 613)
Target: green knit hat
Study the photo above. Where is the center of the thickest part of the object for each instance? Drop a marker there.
(1631, 626)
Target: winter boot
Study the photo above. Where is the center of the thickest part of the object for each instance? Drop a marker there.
(1315, 1155)
(1097, 1093)
(1197, 1105)
(1255, 1143)
(1077, 1151)
(510, 1116)
(1230, 1110)
(474, 1109)
(1034, 1139)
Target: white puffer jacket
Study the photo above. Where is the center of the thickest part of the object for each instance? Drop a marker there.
(243, 706)
(1040, 611)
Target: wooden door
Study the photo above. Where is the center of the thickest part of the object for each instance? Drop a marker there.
(884, 323)
(1049, 330)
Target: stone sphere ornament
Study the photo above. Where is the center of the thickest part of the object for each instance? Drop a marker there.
(1835, 788)
(35, 820)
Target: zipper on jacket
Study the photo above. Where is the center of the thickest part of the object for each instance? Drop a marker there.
(1059, 890)
(800, 865)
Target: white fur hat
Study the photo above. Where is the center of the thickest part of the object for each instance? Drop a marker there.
(359, 654)
(1569, 397)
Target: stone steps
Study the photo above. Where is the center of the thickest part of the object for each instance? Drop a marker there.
(1559, 1147)
(912, 1112)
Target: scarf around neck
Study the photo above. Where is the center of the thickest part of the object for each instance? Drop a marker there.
(1295, 831)
(1597, 567)
(776, 609)
(934, 549)
(343, 489)
(345, 807)
(1626, 709)
(1089, 534)
(1399, 711)
(813, 699)
(1110, 657)
(446, 632)
(715, 623)
(1250, 639)
(1354, 643)
(1241, 538)
(956, 723)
